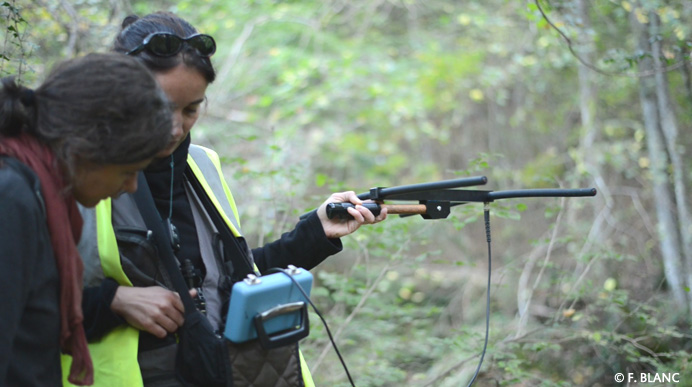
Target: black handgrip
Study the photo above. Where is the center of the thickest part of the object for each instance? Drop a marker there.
(290, 336)
(340, 210)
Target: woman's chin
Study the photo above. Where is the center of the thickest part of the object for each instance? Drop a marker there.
(166, 152)
(88, 202)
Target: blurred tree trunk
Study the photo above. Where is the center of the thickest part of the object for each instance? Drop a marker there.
(685, 70)
(587, 92)
(669, 124)
(684, 56)
(588, 95)
(661, 128)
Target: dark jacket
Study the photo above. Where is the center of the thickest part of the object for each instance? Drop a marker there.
(305, 246)
(29, 283)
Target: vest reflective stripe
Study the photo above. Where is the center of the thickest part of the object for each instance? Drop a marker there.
(307, 377)
(205, 165)
(115, 355)
(107, 244)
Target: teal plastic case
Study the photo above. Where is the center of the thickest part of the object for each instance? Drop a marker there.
(270, 308)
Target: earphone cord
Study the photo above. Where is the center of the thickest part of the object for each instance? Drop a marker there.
(324, 322)
(170, 205)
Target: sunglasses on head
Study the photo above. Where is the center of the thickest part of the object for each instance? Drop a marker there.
(166, 44)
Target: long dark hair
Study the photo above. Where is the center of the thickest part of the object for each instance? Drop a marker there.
(103, 108)
(135, 29)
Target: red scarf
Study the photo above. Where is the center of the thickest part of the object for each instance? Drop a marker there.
(65, 228)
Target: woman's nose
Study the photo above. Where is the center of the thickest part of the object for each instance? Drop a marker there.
(177, 130)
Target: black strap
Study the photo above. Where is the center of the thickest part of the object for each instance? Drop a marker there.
(153, 221)
(233, 251)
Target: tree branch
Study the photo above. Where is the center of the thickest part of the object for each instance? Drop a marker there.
(593, 67)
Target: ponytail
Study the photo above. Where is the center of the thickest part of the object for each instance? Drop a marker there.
(16, 106)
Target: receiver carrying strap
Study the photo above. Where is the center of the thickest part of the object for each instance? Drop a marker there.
(153, 221)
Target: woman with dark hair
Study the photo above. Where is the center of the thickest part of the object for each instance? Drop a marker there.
(81, 137)
(131, 314)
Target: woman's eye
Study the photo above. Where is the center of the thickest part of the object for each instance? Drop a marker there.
(190, 111)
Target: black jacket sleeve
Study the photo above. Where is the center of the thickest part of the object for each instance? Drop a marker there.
(29, 284)
(17, 255)
(305, 246)
(99, 319)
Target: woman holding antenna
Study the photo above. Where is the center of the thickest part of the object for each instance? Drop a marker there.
(131, 314)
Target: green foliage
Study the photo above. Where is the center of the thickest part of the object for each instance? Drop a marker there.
(314, 97)
(15, 48)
